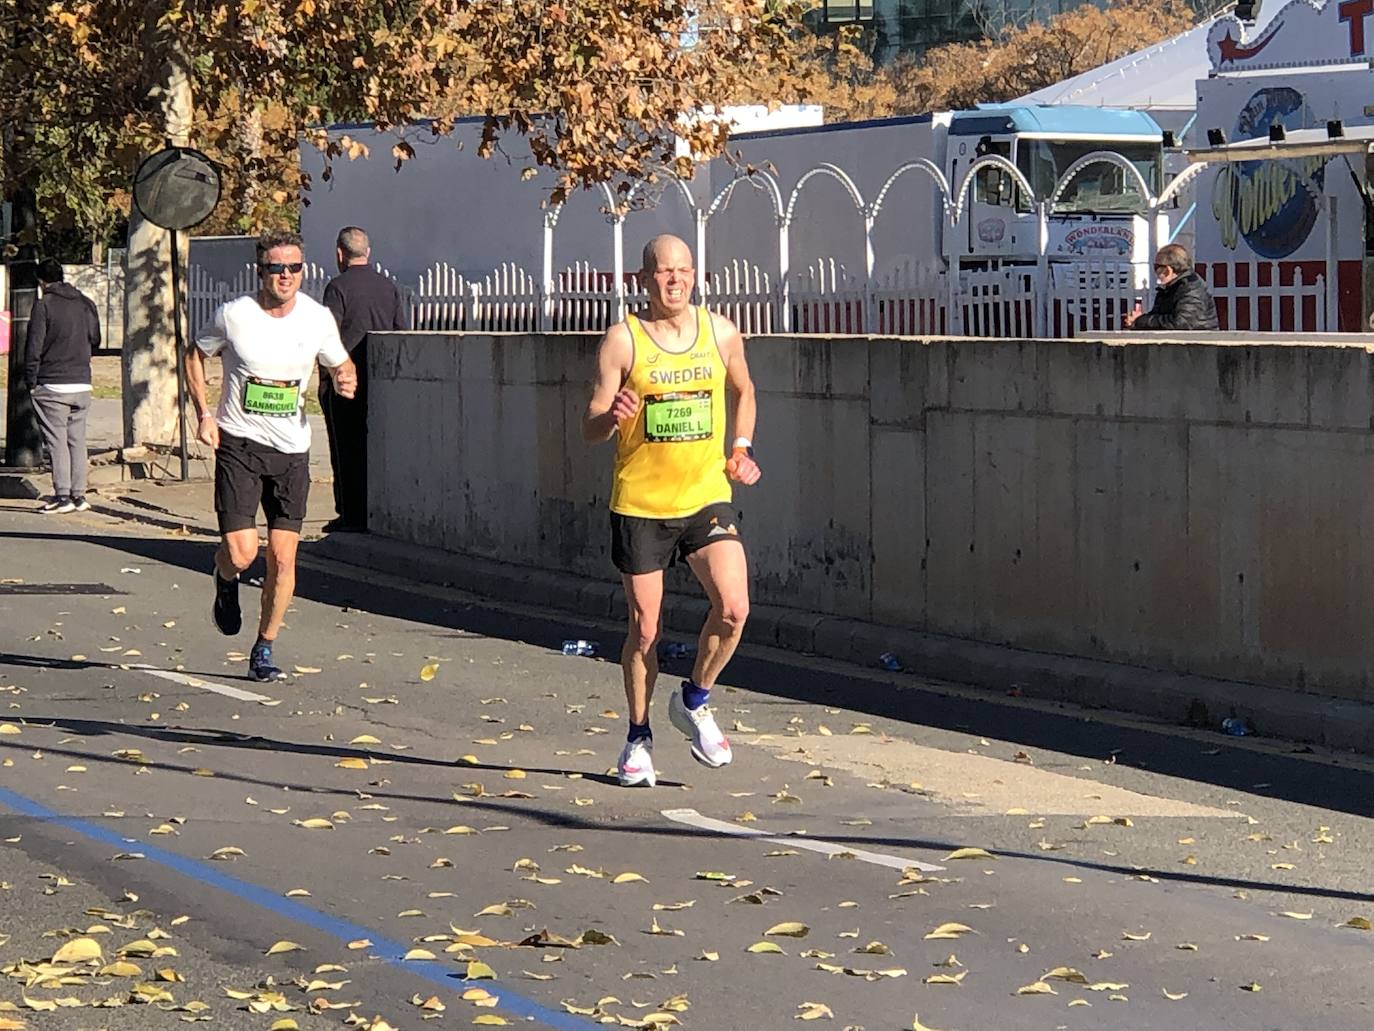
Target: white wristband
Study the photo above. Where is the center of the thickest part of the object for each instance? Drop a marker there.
(742, 442)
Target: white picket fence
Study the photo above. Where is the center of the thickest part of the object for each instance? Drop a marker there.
(1251, 296)
(1015, 301)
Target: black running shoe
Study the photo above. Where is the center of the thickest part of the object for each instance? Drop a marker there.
(260, 666)
(228, 615)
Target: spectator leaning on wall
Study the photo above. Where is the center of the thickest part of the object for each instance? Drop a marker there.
(1181, 299)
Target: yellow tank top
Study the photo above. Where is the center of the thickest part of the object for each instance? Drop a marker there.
(670, 459)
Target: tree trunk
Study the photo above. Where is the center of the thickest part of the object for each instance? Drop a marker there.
(23, 444)
(150, 357)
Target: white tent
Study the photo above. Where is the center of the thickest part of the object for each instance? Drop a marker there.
(1160, 79)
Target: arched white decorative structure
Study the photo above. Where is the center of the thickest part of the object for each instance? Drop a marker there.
(551, 217)
(842, 177)
(754, 178)
(834, 172)
(774, 191)
(920, 164)
(988, 161)
(1105, 157)
(1178, 182)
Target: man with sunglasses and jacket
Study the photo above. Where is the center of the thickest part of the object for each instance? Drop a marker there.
(1181, 299)
(268, 343)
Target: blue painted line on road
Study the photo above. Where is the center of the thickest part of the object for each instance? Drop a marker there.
(512, 1002)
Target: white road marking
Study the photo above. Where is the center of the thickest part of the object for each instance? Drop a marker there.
(228, 690)
(692, 818)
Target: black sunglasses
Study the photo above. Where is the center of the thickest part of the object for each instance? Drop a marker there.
(276, 268)
(1163, 268)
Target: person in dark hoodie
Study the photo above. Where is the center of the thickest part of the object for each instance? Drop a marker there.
(63, 331)
(1181, 297)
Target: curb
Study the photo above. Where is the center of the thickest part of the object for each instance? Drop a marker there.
(1177, 698)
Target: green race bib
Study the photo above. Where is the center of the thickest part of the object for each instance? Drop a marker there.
(277, 398)
(685, 415)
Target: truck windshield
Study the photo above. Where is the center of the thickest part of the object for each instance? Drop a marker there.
(1099, 187)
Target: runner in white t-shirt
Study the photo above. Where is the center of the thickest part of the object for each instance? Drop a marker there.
(268, 343)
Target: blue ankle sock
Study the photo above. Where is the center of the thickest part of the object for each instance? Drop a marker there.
(693, 696)
(639, 732)
(263, 646)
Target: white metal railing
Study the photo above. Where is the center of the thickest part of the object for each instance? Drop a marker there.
(1021, 301)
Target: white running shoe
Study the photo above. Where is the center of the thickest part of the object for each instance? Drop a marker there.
(637, 763)
(709, 746)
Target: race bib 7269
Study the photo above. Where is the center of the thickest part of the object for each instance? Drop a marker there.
(678, 416)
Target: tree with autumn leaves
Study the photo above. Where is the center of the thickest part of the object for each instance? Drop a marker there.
(599, 87)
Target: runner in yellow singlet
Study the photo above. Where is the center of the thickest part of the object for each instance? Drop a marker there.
(660, 390)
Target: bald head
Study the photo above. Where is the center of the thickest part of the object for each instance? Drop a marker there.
(664, 251)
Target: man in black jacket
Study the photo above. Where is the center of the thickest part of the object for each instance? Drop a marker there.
(63, 331)
(1181, 298)
(362, 301)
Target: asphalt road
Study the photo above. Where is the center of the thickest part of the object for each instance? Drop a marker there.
(1136, 875)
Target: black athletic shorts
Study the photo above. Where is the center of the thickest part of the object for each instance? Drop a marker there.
(648, 545)
(249, 474)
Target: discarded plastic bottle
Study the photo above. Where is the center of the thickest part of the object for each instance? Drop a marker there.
(579, 647)
(677, 650)
(890, 662)
(1235, 726)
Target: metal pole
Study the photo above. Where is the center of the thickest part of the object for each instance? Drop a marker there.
(1332, 299)
(181, 355)
(618, 259)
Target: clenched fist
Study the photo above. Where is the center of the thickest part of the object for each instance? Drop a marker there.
(208, 431)
(624, 405)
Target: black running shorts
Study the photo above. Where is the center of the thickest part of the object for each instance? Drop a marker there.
(249, 474)
(648, 545)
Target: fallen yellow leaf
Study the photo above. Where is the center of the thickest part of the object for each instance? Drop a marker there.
(78, 950)
(283, 946)
(950, 930)
(771, 947)
(969, 853)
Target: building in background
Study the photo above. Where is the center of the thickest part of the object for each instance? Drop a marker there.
(908, 28)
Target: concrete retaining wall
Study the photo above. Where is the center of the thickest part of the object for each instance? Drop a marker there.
(1202, 508)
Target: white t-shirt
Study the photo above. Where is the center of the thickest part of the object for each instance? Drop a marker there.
(267, 365)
